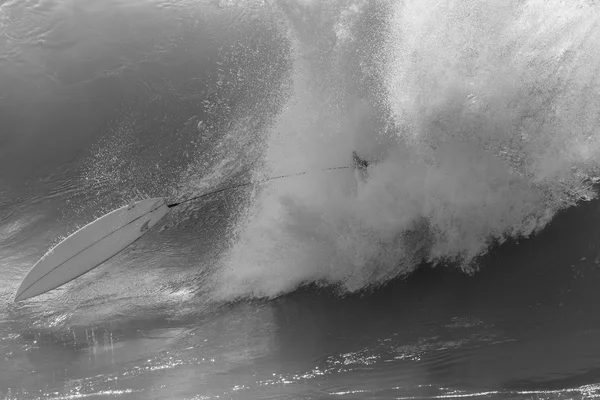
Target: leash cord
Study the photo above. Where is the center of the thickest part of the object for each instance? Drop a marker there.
(272, 178)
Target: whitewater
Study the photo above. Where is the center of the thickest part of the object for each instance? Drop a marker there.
(482, 119)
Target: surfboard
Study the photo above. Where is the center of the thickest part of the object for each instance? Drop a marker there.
(91, 245)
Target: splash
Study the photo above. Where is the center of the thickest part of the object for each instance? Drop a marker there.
(482, 118)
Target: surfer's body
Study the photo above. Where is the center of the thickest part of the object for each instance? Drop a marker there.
(359, 166)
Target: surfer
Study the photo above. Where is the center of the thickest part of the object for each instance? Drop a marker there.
(359, 166)
(359, 163)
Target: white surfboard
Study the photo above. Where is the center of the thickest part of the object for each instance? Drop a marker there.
(91, 245)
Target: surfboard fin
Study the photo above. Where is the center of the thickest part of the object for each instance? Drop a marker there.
(145, 227)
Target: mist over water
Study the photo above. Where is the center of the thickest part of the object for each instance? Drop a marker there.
(481, 117)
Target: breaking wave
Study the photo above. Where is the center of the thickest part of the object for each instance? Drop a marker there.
(481, 119)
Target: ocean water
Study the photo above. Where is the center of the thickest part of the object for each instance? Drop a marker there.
(465, 265)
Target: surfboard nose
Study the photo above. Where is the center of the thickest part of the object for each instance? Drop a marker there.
(22, 294)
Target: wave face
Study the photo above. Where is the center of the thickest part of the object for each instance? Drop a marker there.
(481, 119)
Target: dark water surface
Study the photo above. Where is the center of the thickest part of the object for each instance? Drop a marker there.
(466, 264)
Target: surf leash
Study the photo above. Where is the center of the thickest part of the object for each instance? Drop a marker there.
(239, 185)
(93, 239)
